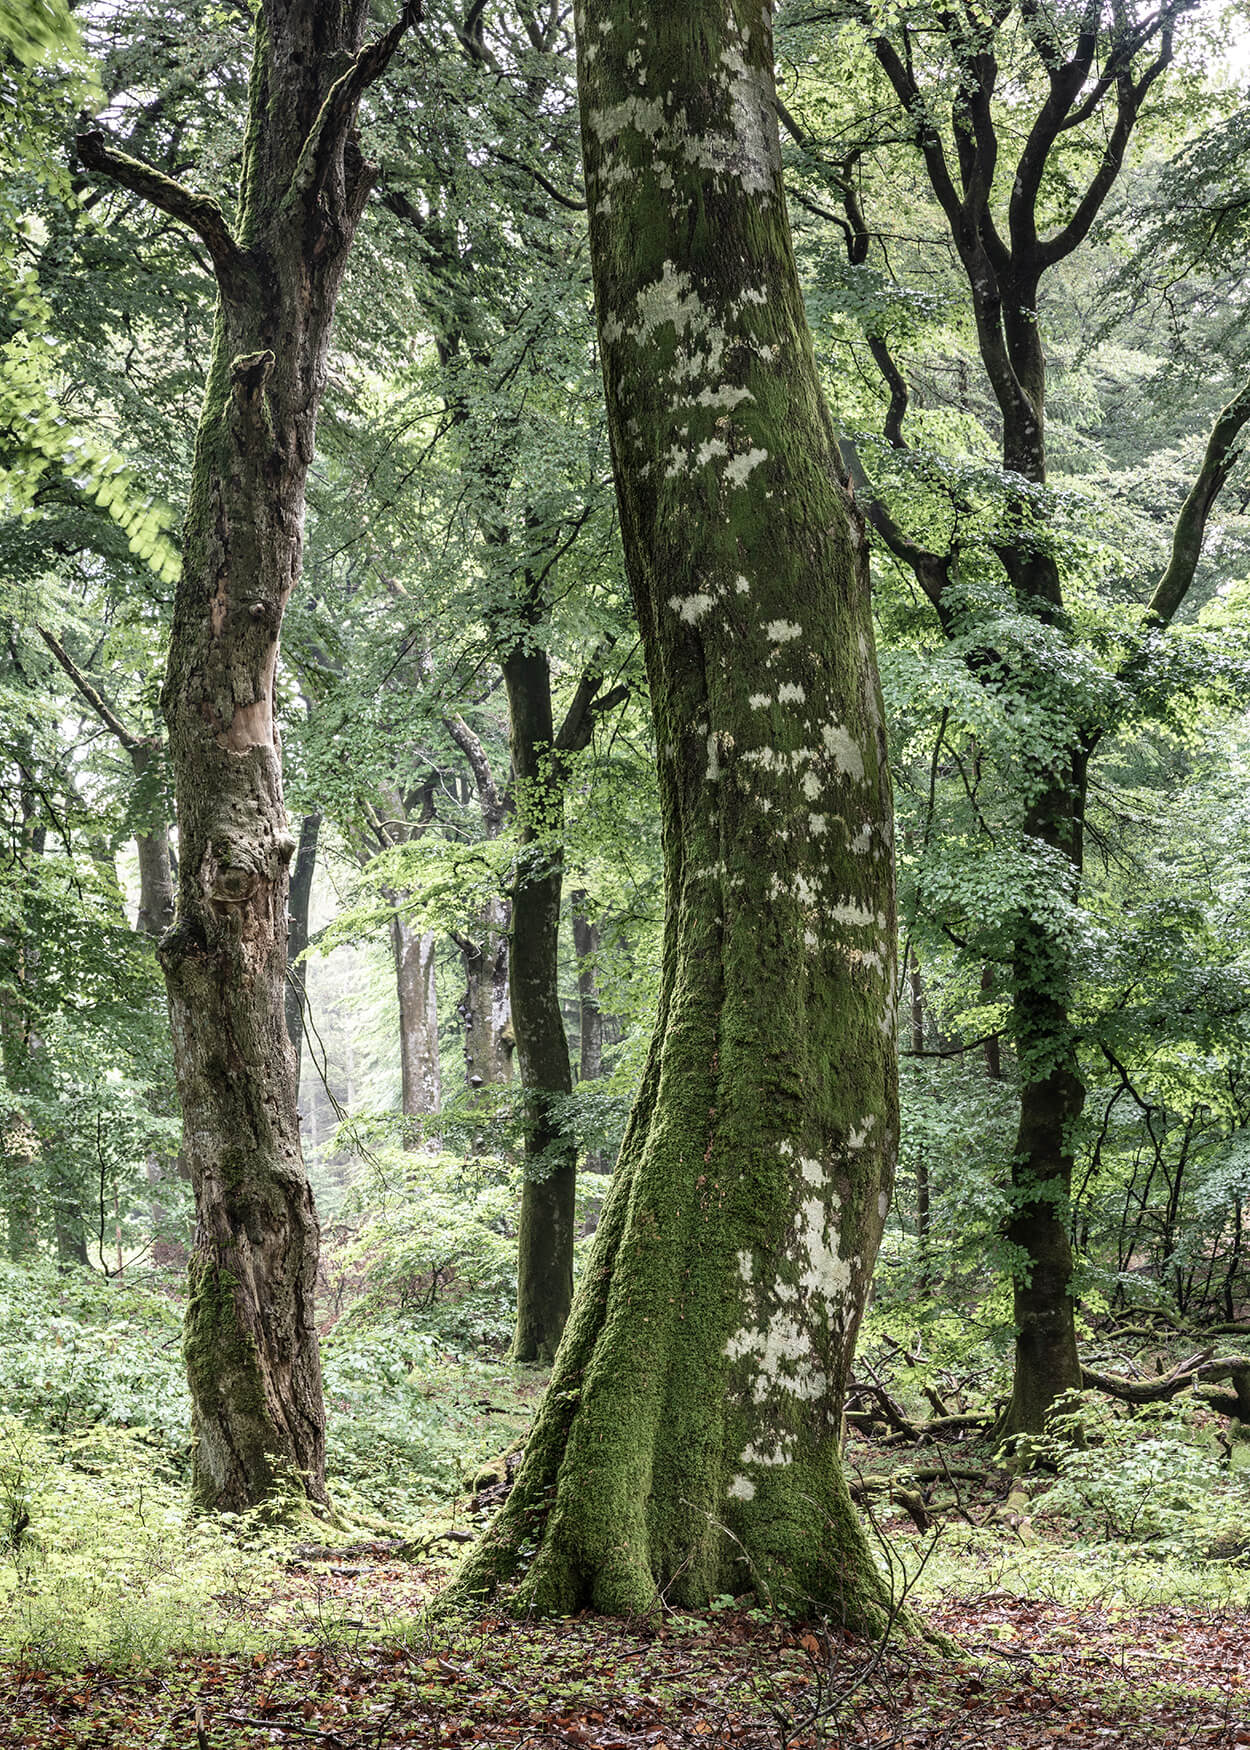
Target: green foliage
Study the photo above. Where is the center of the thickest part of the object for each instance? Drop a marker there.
(31, 30)
(1150, 1476)
(109, 1565)
(78, 1352)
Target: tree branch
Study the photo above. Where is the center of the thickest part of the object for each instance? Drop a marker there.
(337, 114)
(1191, 524)
(198, 212)
(931, 570)
(479, 764)
(129, 740)
(1166, 1385)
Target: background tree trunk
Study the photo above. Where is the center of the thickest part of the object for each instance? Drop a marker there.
(421, 1086)
(545, 1239)
(591, 1028)
(689, 1442)
(299, 901)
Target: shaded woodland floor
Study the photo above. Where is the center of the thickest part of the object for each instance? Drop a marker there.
(1101, 1601)
(1027, 1675)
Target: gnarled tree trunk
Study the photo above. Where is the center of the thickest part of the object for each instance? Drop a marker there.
(258, 1420)
(689, 1442)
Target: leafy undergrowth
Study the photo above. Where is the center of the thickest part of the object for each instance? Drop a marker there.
(1028, 1675)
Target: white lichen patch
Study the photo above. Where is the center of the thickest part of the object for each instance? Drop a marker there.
(791, 693)
(811, 787)
(827, 1274)
(739, 470)
(782, 631)
(759, 701)
(846, 753)
(883, 1205)
(780, 1453)
(691, 608)
(859, 1137)
(859, 917)
(725, 397)
(741, 585)
(710, 450)
(816, 825)
(790, 1315)
(742, 1489)
(639, 115)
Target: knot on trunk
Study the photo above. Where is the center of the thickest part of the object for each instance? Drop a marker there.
(250, 372)
(249, 375)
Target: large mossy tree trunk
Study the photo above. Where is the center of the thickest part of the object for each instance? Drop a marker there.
(689, 1442)
(258, 1419)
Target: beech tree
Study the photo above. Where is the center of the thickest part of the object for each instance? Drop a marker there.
(689, 1441)
(1073, 88)
(251, 1342)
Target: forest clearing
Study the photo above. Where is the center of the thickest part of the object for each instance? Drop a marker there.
(624, 980)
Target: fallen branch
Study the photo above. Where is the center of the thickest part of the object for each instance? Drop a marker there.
(1162, 1386)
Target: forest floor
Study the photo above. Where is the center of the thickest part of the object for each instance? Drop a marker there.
(369, 1671)
(1101, 1603)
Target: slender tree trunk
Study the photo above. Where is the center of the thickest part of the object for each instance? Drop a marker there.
(993, 1045)
(485, 1009)
(689, 1442)
(591, 1027)
(545, 1240)
(590, 1016)
(1052, 1088)
(156, 880)
(295, 997)
(922, 1163)
(258, 1420)
(421, 1088)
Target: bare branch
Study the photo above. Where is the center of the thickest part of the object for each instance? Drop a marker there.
(198, 212)
(1191, 523)
(103, 710)
(479, 764)
(338, 113)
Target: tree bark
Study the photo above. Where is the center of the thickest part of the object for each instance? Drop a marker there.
(592, 1029)
(299, 901)
(258, 1420)
(689, 1441)
(421, 1087)
(485, 1009)
(590, 1015)
(547, 1226)
(916, 982)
